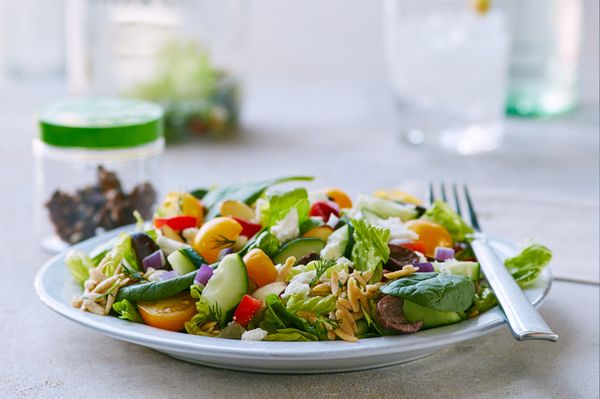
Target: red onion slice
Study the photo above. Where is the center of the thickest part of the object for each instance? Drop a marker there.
(424, 267)
(155, 260)
(443, 253)
(204, 274)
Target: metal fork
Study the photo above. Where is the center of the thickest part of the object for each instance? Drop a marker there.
(523, 319)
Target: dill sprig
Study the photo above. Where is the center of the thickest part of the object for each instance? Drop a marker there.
(222, 242)
(321, 267)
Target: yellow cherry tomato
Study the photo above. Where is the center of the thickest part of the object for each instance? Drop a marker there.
(168, 314)
(180, 203)
(397, 195)
(339, 197)
(260, 267)
(215, 235)
(320, 232)
(431, 234)
(192, 206)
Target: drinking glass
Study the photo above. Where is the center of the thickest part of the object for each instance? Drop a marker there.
(448, 64)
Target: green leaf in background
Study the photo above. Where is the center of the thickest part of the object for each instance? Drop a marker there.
(445, 292)
(370, 249)
(443, 215)
(79, 264)
(244, 192)
(529, 264)
(127, 311)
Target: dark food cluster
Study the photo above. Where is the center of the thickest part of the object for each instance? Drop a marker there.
(76, 216)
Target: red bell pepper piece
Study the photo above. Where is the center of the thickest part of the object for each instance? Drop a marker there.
(249, 229)
(325, 209)
(176, 222)
(416, 246)
(246, 310)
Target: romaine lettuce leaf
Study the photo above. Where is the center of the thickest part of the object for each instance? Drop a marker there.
(316, 304)
(370, 249)
(121, 251)
(127, 311)
(79, 264)
(280, 204)
(276, 316)
(528, 265)
(441, 213)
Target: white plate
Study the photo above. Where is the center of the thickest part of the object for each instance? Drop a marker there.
(55, 288)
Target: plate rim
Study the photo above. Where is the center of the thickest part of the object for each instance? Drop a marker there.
(232, 349)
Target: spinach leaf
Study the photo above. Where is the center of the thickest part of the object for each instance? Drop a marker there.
(156, 290)
(244, 192)
(438, 291)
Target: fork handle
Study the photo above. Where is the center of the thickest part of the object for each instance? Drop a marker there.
(523, 319)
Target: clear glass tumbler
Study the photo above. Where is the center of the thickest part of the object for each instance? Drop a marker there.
(448, 64)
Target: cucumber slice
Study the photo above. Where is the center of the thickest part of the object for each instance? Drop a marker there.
(227, 286)
(431, 317)
(467, 269)
(298, 248)
(193, 256)
(385, 208)
(337, 243)
(180, 263)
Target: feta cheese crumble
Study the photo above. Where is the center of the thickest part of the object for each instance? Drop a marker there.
(287, 228)
(258, 334)
(296, 287)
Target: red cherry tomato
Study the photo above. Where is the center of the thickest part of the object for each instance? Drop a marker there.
(417, 246)
(176, 222)
(249, 229)
(246, 309)
(325, 209)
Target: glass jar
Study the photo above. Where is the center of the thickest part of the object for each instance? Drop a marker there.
(97, 161)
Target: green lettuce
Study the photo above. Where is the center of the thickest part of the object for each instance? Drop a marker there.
(484, 301)
(370, 249)
(441, 213)
(280, 204)
(79, 264)
(291, 334)
(267, 242)
(205, 314)
(127, 311)
(316, 304)
(529, 264)
(121, 251)
(276, 317)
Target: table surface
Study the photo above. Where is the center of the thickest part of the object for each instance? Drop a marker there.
(544, 179)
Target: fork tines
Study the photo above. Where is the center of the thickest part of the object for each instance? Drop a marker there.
(458, 205)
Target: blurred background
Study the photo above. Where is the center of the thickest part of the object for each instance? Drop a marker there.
(362, 94)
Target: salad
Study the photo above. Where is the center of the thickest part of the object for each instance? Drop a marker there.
(249, 262)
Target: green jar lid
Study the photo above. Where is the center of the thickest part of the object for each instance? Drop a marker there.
(101, 123)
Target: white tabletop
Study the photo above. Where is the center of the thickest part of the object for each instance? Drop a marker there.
(346, 139)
